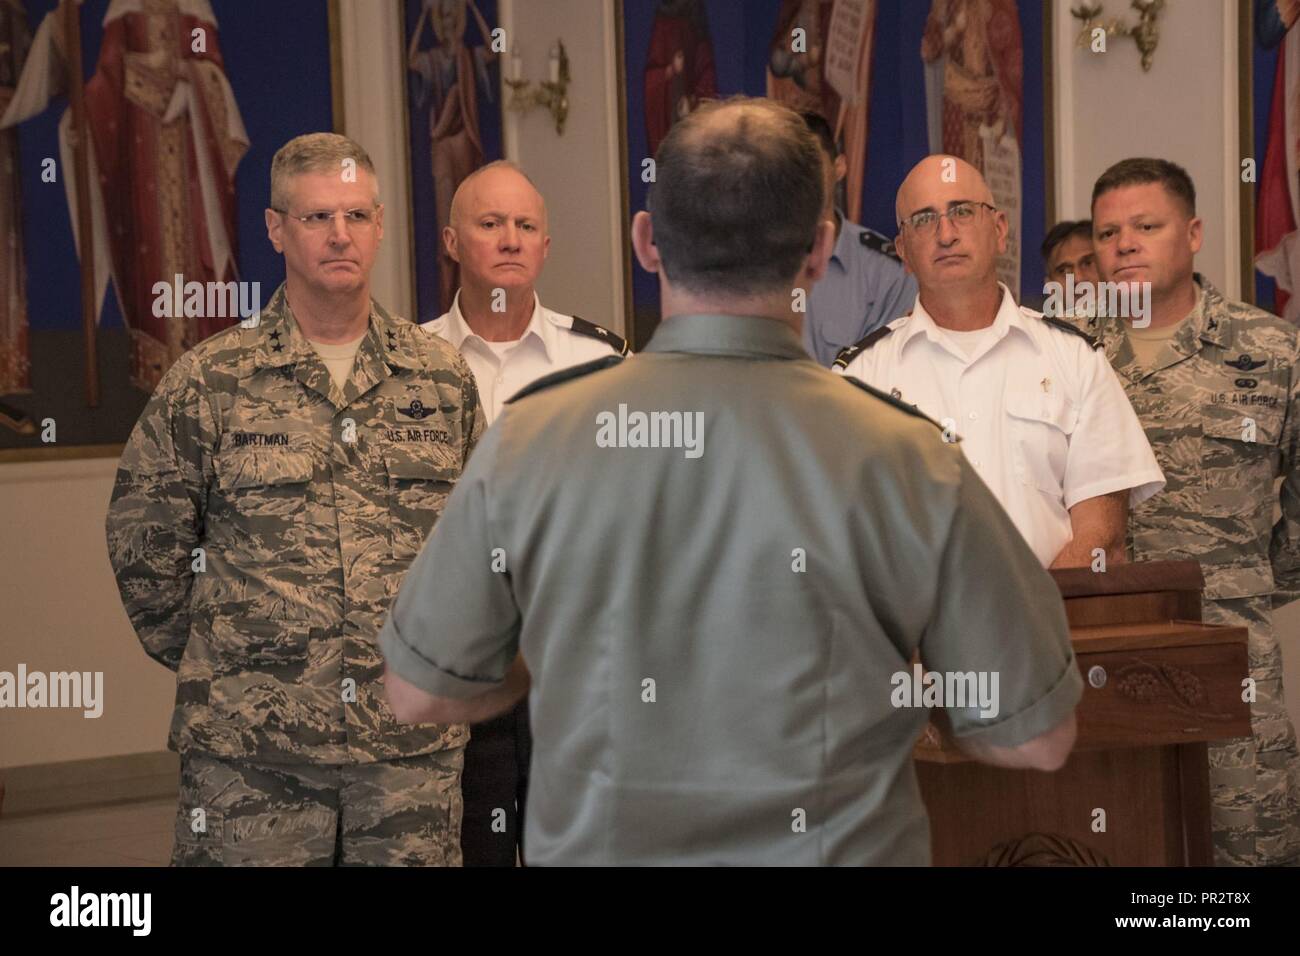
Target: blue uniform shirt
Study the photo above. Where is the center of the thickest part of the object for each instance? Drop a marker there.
(864, 287)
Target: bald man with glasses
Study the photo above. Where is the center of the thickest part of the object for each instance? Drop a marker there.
(1039, 412)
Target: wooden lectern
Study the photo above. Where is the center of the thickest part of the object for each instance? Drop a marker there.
(1158, 685)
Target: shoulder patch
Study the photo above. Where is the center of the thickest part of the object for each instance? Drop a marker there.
(850, 352)
(900, 405)
(583, 327)
(1064, 326)
(878, 243)
(564, 374)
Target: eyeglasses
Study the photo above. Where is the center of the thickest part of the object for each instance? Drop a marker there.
(324, 218)
(960, 215)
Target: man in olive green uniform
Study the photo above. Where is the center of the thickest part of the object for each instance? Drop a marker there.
(717, 558)
(277, 486)
(1216, 385)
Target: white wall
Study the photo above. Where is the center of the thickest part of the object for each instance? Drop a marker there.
(1184, 110)
(373, 63)
(59, 611)
(578, 173)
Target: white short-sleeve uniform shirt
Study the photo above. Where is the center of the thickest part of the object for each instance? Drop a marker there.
(1040, 414)
(550, 342)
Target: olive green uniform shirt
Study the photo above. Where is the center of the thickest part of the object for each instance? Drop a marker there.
(712, 638)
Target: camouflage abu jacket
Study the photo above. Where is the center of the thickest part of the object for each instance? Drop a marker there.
(308, 505)
(1222, 414)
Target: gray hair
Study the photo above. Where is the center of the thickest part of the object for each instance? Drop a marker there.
(311, 153)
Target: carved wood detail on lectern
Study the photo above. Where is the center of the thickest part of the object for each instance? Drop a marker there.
(1043, 849)
(1148, 683)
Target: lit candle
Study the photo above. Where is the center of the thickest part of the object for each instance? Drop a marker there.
(516, 64)
(555, 63)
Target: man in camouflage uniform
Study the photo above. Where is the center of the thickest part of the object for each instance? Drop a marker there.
(277, 486)
(1217, 387)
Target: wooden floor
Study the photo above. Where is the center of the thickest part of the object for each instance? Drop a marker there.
(124, 834)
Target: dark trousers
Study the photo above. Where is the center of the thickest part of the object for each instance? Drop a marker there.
(494, 785)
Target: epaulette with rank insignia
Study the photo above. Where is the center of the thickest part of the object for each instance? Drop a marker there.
(1093, 341)
(877, 242)
(583, 327)
(850, 352)
(564, 374)
(897, 403)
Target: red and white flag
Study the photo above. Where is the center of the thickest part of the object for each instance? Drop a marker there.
(1277, 212)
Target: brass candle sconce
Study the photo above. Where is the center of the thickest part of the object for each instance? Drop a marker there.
(1146, 34)
(553, 94)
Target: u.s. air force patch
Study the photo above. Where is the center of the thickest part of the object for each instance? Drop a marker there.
(1254, 399)
(403, 433)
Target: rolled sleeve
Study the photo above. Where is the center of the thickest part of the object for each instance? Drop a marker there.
(1109, 450)
(1034, 720)
(411, 664)
(998, 612)
(454, 628)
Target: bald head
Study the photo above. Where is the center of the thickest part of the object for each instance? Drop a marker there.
(497, 231)
(954, 253)
(499, 177)
(937, 181)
